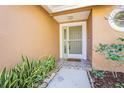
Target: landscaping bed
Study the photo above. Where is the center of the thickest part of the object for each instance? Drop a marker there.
(106, 79)
(27, 74)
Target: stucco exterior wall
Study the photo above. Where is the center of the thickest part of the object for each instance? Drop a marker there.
(103, 33)
(89, 38)
(27, 30)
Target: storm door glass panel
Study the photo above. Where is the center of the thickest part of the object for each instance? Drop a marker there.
(65, 47)
(75, 40)
(65, 39)
(75, 32)
(75, 47)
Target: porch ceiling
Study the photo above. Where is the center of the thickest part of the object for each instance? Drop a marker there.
(72, 17)
(74, 12)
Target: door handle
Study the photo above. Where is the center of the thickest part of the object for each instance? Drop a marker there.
(65, 49)
(69, 47)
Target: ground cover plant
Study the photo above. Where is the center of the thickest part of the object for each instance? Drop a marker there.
(27, 74)
(98, 74)
(108, 79)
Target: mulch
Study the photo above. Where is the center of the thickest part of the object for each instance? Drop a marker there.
(108, 81)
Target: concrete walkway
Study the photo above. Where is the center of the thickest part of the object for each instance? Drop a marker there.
(70, 77)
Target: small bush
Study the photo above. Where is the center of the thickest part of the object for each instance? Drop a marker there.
(98, 74)
(27, 74)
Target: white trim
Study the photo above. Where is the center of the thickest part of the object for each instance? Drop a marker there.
(63, 7)
(52, 9)
(84, 40)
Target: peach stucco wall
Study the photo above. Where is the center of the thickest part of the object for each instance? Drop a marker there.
(103, 33)
(27, 30)
(89, 38)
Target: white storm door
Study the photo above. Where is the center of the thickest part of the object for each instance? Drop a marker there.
(73, 40)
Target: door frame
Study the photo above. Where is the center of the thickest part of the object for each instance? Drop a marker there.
(84, 38)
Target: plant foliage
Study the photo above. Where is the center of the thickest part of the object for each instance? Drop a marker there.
(119, 85)
(98, 74)
(27, 74)
(114, 52)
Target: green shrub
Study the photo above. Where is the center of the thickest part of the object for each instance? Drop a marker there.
(98, 74)
(27, 74)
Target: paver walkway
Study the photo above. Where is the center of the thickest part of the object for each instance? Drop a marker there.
(70, 77)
